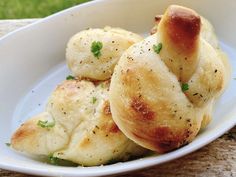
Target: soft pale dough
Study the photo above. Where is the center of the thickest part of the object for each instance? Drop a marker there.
(84, 131)
(84, 64)
(147, 101)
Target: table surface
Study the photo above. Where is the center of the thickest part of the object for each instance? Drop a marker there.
(215, 159)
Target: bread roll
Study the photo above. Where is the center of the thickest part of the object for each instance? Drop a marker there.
(84, 131)
(163, 87)
(113, 42)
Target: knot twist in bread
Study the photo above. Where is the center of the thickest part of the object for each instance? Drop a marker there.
(161, 99)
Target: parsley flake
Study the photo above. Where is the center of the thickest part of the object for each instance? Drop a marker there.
(8, 144)
(70, 77)
(157, 48)
(60, 162)
(185, 87)
(53, 160)
(96, 48)
(94, 100)
(46, 124)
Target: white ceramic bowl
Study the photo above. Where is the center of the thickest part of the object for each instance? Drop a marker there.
(32, 64)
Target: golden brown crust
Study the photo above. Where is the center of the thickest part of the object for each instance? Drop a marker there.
(179, 32)
(183, 29)
(84, 130)
(164, 139)
(148, 102)
(32, 138)
(25, 130)
(141, 109)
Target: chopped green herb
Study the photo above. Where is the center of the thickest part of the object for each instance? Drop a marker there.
(61, 162)
(70, 77)
(94, 100)
(185, 87)
(52, 160)
(157, 48)
(46, 124)
(96, 48)
(8, 144)
(102, 85)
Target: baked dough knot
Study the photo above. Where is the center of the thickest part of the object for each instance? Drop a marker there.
(77, 124)
(163, 88)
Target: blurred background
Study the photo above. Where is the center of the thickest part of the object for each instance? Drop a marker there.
(15, 9)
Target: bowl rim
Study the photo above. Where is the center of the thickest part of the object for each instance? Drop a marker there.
(114, 168)
(122, 167)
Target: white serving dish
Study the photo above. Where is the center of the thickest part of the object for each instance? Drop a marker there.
(32, 64)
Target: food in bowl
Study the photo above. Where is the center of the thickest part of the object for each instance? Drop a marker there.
(161, 93)
(163, 88)
(77, 124)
